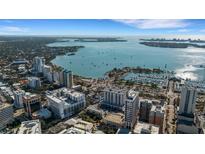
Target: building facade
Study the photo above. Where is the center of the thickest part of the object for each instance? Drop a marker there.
(157, 116)
(34, 82)
(114, 98)
(185, 118)
(6, 115)
(71, 79)
(188, 101)
(131, 108)
(38, 64)
(18, 98)
(32, 103)
(145, 107)
(65, 102)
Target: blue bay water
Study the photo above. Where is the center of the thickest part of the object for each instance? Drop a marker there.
(99, 57)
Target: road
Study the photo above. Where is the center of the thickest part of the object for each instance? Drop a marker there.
(170, 118)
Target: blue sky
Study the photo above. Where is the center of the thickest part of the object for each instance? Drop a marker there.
(101, 27)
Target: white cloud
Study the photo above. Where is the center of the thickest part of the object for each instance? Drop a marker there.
(14, 29)
(154, 23)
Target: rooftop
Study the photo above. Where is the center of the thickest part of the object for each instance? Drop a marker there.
(30, 127)
(116, 90)
(131, 94)
(4, 105)
(80, 124)
(64, 95)
(33, 78)
(123, 131)
(114, 117)
(157, 108)
(145, 128)
(73, 130)
(84, 125)
(30, 96)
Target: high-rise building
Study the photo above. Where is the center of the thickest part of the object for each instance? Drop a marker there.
(56, 77)
(65, 102)
(185, 120)
(46, 70)
(6, 115)
(71, 79)
(61, 76)
(188, 101)
(32, 103)
(152, 111)
(18, 98)
(34, 82)
(114, 98)
(66, 75)
(156, 116)
(131, 108)
(145, 107)
(38, 64)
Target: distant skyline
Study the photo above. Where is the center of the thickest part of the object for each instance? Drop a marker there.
(106, 27)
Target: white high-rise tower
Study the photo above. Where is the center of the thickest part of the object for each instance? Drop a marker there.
(188, 100)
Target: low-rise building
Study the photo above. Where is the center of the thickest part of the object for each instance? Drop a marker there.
(79, 124)
(84, 125)
(7, 93)
(73, 130)
(200, 122)
(30, 127)
(65, 102)
(114, 120)
(93, 109)
(145, 128)
(43, 113)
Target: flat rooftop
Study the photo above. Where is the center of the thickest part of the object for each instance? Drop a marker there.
(131, 94)
(65, 95)
(145, 128)
(114, 117)
(4, 105)
(30, 127)
(115, 90)
(30, 95)
(73, 130)
(83, 125)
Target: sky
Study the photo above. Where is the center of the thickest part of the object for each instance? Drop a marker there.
(105, 27)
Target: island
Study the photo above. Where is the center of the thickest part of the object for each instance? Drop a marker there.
(171, 44)
(174, 40)
(100, 39)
